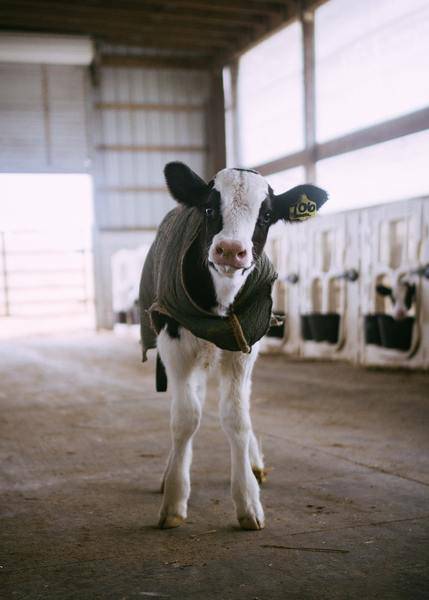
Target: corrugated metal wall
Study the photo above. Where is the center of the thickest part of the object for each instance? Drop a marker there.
(43, 118)
(145, 118)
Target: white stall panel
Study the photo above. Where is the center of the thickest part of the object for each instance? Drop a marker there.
(380, 245)
(392, 238)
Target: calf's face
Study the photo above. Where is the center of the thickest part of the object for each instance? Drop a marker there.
(402, 296)
(238, 207)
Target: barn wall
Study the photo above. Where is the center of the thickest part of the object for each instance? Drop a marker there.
(145, 117)
(44, 118)
(381, 241)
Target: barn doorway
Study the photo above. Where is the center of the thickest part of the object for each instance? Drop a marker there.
(46, 266)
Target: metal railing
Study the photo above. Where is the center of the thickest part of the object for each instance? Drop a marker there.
(43, 279)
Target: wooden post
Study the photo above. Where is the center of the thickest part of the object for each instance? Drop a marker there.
(216, 124)
(307, 20)
(236, 138)
(5, 275)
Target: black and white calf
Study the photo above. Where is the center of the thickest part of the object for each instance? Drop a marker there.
(402, 295)
(237, 209)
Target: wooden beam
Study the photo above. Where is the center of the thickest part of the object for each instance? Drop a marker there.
(146, 106)
(245, 44)
(216, 124)
(376, 134)
(144, 15)
(227, 6)
(149, 148)
(161, 33)
(207, 47)
(282, 163)
(155, 62)
(369, 136)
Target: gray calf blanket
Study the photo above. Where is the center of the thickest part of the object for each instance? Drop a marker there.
(163, 291)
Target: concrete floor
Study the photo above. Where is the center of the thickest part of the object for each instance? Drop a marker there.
(83, 442)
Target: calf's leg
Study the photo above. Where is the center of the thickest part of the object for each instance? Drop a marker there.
(236, 370)
(257, 459)
(185, 379)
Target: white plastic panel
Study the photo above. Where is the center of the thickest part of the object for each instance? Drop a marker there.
(392, 242)
(106, 245)
(381, 243)
(283, 250)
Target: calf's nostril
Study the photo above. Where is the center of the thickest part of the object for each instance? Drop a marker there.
(242, 254)
(219, 250)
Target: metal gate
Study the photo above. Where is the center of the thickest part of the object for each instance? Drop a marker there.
(45, 275)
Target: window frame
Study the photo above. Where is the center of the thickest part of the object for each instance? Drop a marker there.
(313, 152)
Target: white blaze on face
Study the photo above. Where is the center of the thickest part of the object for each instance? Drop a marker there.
(400, 291)
(241, 194)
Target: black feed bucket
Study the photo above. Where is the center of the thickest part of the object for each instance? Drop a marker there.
(325, 327)
(396, 334)
(372, 330)
(305, 328)
(121, 317)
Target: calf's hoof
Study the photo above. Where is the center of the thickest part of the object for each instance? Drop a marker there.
(251, 523)
(170, 521)
(261, 474)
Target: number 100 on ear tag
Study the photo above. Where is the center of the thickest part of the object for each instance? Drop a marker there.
(303, 209)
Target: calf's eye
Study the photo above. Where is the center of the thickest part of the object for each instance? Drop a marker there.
(210, 212)
(267, 217)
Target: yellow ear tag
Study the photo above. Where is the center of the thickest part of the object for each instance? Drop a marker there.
(303, 209)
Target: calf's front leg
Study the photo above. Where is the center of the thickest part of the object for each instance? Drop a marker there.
(186, 381)
(236, 370)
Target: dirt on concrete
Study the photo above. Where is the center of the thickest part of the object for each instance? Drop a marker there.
(83, 442)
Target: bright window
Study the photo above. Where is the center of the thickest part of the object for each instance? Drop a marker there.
(372, 62)
(394, 170)
(270, 98)
(285, 180)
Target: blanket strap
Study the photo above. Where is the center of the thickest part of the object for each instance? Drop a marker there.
(238, 333)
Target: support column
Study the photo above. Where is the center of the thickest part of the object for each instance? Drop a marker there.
(216, 124)
(307, 20)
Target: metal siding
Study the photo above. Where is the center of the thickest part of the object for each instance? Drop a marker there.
(43, 120)
(134, 169)
(22, 128)
(123, 213)
(67, 114)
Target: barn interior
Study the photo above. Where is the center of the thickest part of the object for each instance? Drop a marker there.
(95, 98)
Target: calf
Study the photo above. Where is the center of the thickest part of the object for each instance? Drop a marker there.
(402, 295)
(205, 300)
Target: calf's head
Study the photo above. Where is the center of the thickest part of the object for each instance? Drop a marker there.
(238, 207)
(402, 295)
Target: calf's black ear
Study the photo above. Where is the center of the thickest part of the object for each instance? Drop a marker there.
(185, 186)
(383, 290)
(299, 203)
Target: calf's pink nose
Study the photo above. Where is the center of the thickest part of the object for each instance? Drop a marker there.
(230, 253)
(399, 314)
